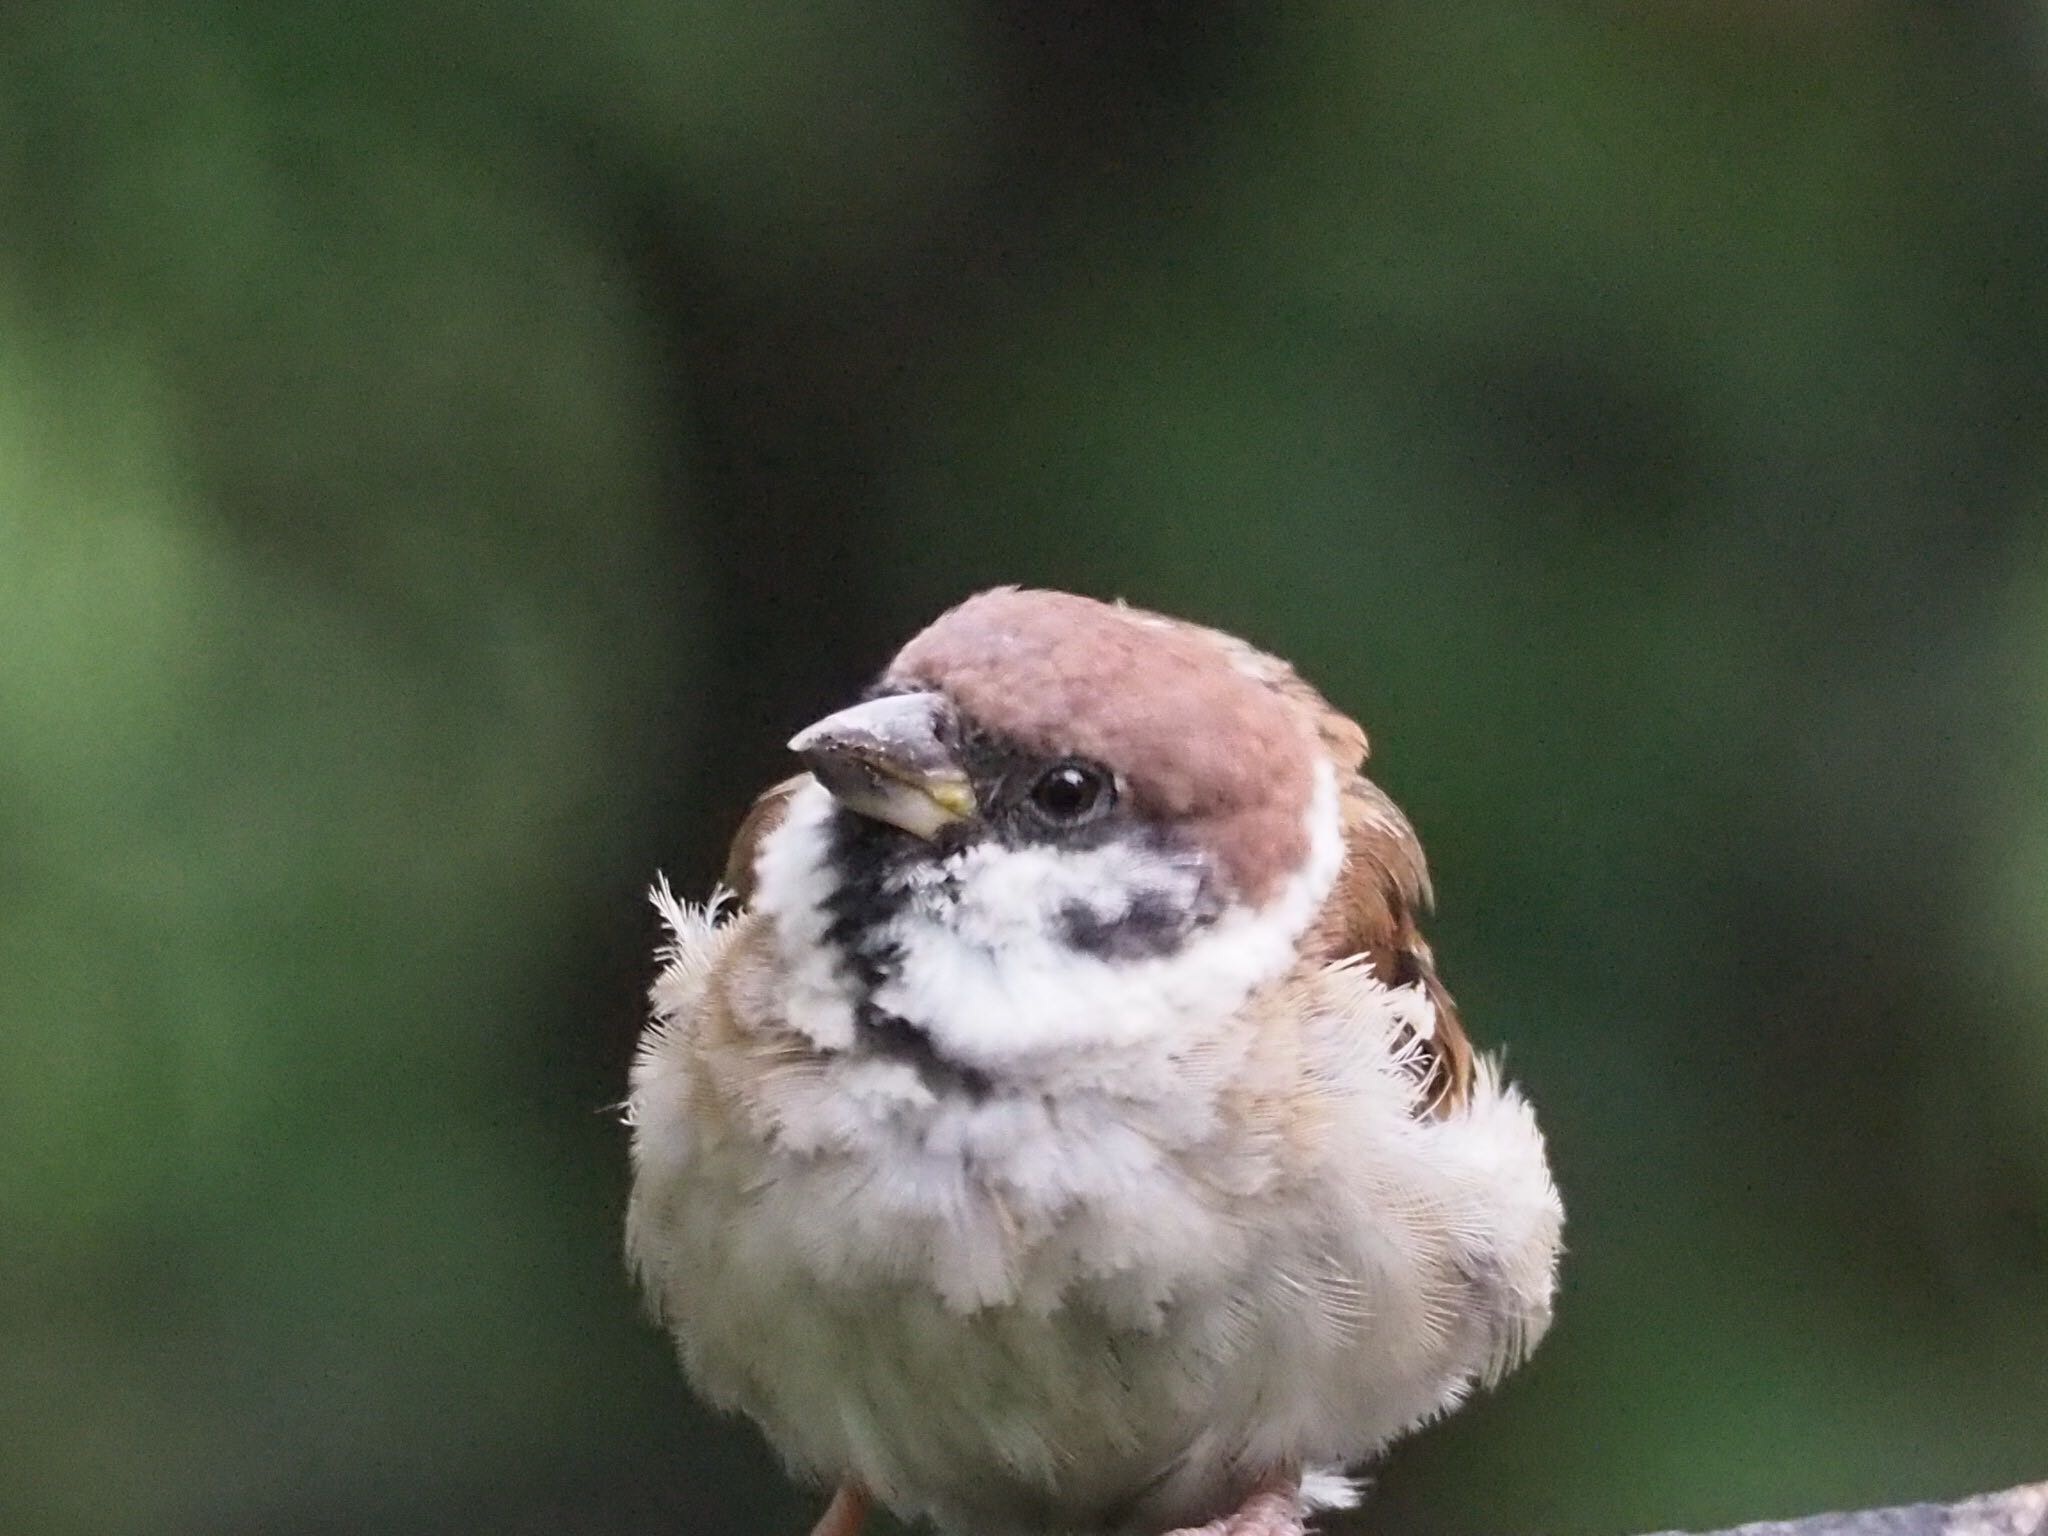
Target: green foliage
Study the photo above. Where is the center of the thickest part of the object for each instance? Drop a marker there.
(438, 465)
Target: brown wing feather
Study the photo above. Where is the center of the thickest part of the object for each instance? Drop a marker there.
(762, 817)
(1380, 895)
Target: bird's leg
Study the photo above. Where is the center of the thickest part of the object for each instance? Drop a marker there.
(1272, 1510)
(846, 1514)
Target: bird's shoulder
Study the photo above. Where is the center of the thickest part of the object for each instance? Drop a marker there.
(715, 1033)
(762, 818)
(1374, 911)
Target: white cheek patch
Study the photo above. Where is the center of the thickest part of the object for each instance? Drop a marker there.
(995, 980)
(984, 961)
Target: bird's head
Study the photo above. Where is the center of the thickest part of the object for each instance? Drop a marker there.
(1052, 823)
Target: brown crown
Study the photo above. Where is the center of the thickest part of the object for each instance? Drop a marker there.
(1204, 731)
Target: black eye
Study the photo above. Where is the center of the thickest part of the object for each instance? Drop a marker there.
(1071, 792)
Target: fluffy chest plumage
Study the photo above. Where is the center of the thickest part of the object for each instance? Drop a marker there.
(1133, 1359)
(1012, 1314)
(1073, 1309)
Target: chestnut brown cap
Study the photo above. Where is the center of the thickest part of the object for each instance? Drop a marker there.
(1179, 713)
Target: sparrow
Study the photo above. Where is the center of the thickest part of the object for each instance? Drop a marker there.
(1058, 1125)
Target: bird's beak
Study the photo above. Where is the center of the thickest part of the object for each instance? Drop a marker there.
(888, 759)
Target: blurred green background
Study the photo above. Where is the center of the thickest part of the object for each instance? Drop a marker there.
(444, 452)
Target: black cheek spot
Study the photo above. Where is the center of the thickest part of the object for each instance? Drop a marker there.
(1153, 924)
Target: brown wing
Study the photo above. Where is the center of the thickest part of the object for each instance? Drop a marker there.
(1380, 896)
(1373, 912)
(762, 817)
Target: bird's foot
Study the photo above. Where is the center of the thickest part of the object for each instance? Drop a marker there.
(846, 1514)
(1269, 1512)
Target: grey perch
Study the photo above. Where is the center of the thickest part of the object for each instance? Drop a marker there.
(2019, 1511)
